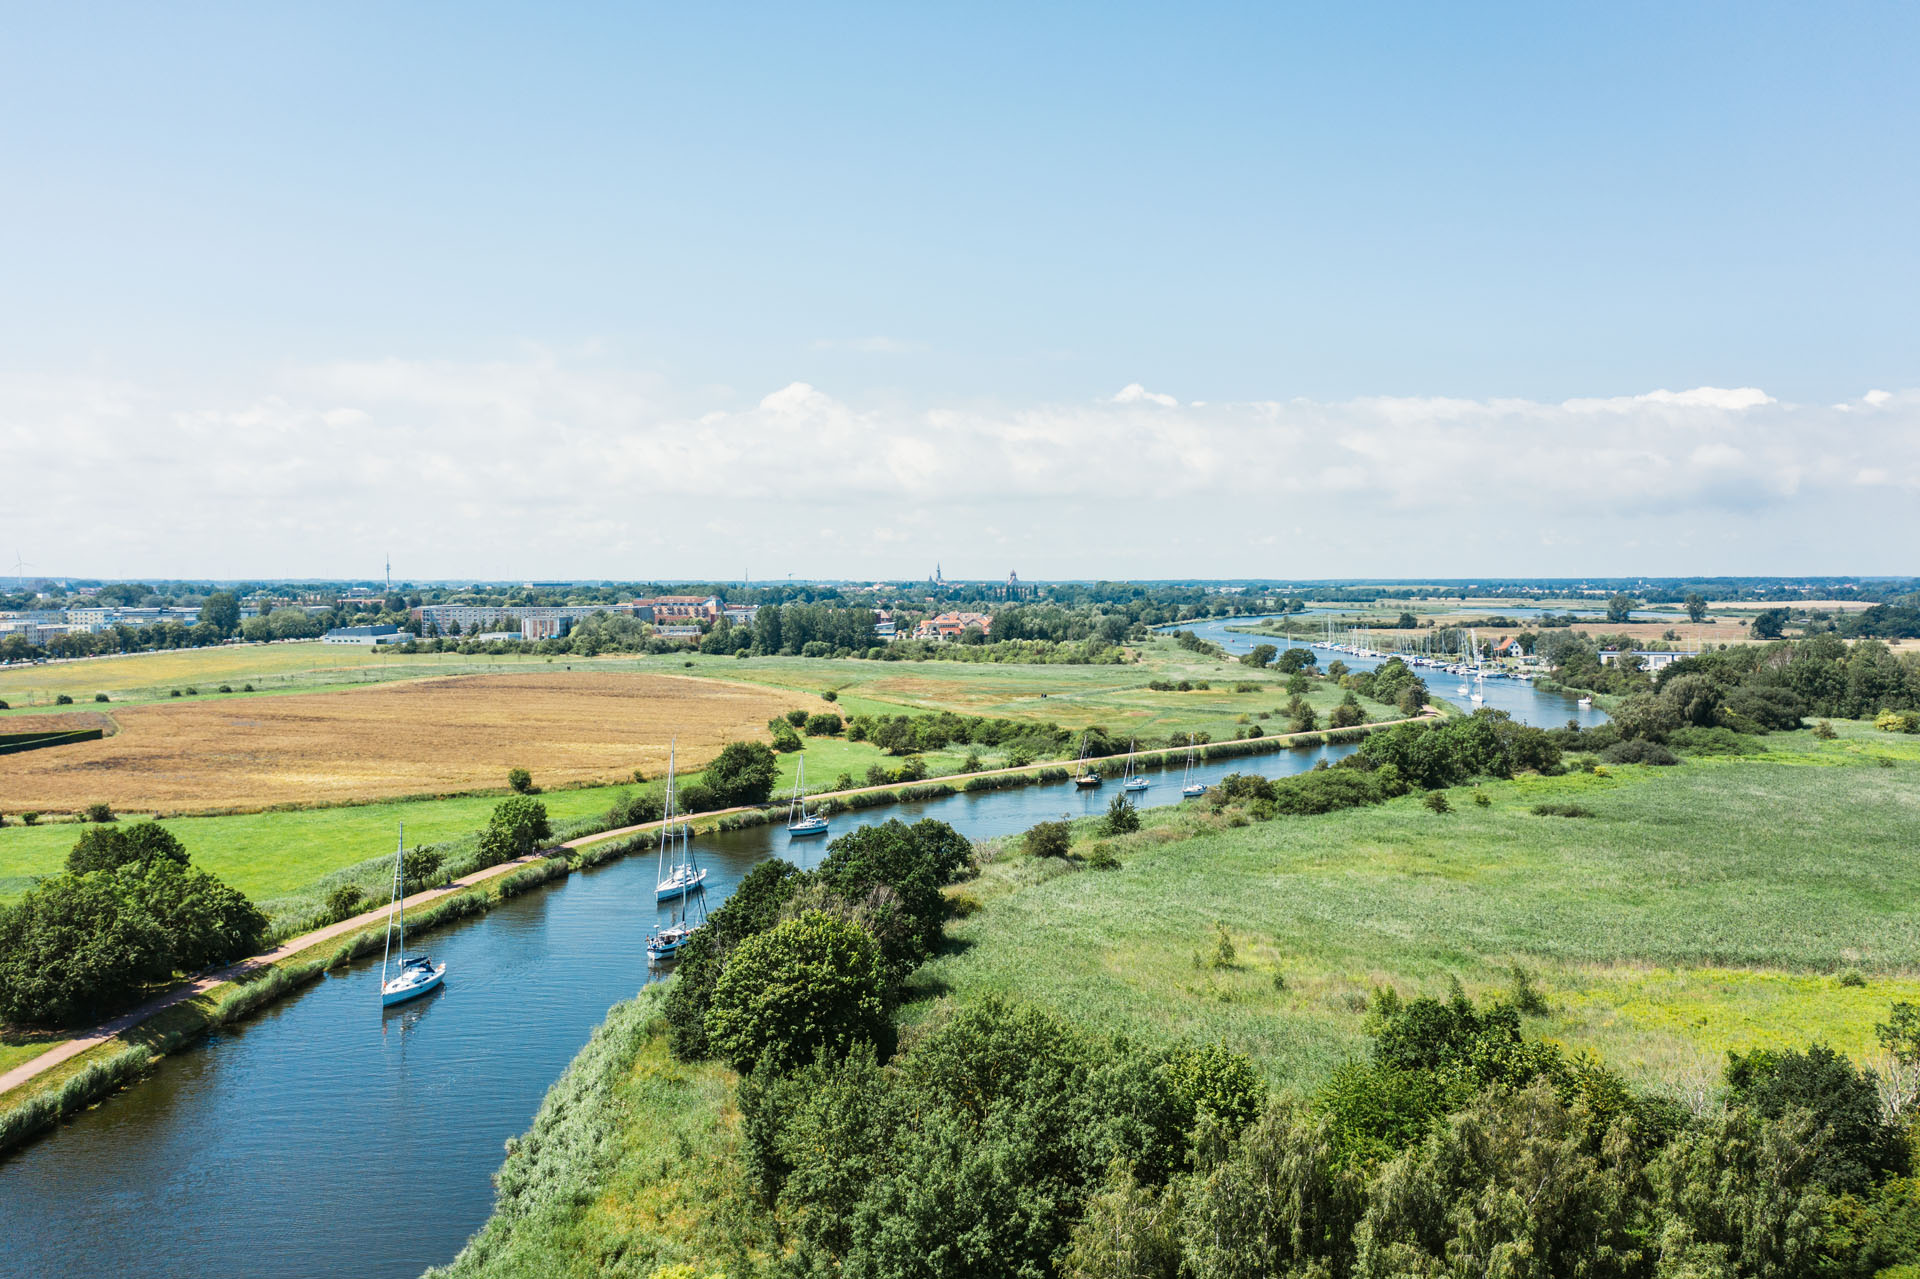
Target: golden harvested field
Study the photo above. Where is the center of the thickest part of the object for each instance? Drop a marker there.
(431, 736)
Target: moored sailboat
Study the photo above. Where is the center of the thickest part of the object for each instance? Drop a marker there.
(1133, 782)
(1086, 778)
(1190, 789)
(682, 876)
(799, 821)
(418, 975)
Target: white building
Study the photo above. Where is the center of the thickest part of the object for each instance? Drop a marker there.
(368, 635)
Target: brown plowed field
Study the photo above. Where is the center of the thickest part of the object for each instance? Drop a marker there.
(422, 737)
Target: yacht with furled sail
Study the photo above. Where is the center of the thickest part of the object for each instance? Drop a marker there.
(417, 975)
(690, 912)
(682, 876)
(1190, 789)
(1133, 782)
(1086, 778)
(800, 822)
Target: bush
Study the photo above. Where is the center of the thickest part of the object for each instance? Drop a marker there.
(225, 688)
(30, 819)
(1436, 802)
(520, 781)
(796, 718)
(419, 867)
(516, 827)
(1049, 839)
(101, 697)
(345, 902)
(246, 688)
(108, 848)
(173, 692)
(830, 696)
(1824, 731)
(1897, 722)
(98, 813)
(1101, 857)
(1638, 750)
(1122, 817)
(824, 724)
(785, 740)
(634, 810)
(1563, 810)
(807, 986)
(62, 700)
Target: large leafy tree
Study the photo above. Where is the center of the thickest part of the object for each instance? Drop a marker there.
(805, 986)
(742, 773)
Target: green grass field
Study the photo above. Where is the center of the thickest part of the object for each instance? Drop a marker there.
(1706, 907)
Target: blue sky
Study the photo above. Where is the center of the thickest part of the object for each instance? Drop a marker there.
(282, 237)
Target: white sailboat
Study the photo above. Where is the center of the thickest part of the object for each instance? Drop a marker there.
(666, 941)
(1086, 778)
(418, 975)
(1585, 703)
(1190, 789)
(1133, 782)
(682, 876)
(799, 821)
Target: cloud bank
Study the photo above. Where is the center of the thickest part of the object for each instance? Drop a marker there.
(544, 468)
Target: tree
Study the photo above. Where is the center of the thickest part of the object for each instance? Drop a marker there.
(824, 724)
(806, 986)
(517, 826)
(1260, 655)
(1122, 818)
(221, 610)
(743, 773)
(1295, 659)
(1769, 623)
(109, 848)
(520, 781)
(1620, 609)
(1696, 607)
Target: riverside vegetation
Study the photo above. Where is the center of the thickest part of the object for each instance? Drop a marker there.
(1215, 1057)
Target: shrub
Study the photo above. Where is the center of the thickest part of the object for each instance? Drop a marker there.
(1100, 857)
(807, 986)
(879, 775)
(345, 902)
(824, 724)
(418, 869)
(634, 810)
(1897, 722)
(1481, 799)
(843, 782)
(520, 781)
(1563, 810)
(1436, 802)
(98, 813)
(1049, 839)
(1638, 750)
(1824, 731)
(108, 848)
(101, 697)
(515, 828)
(785, 740)
(30, 819)
(830, 696)
(796, 718)
(62, 700)
(972, 763)
(193, 692)
(173, 692)
(1853, 977)
(225, 688)
(246, 688)
(1122, 817)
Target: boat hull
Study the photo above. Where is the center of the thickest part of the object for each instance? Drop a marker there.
(667, 892)
(1087, 783)
(388, 998)
(1138, 783)
(801, 830)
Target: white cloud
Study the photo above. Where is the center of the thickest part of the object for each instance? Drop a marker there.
(550, 467)
(1134, 393)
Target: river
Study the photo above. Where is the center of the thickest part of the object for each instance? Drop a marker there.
(323, 1138)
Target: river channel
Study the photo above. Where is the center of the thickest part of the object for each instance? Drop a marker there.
(322, 1138)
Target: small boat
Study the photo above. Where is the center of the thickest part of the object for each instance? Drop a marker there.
(1086, 778)
(1476, 699)
(1585, 703)
(667, 940)
(1190, 789)
(1133, 782)
(418, 975)
(800, 822)
(682, 876)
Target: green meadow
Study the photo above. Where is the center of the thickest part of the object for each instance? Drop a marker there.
(1723, 903)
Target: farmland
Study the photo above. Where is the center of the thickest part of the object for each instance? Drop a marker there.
(421, 737)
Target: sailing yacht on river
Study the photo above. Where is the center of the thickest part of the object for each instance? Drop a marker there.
(1190, 789)
(418, 975)
(682, 876)
(799, 821)
(1133, 782)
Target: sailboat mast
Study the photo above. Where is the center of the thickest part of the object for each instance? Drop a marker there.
(393, 910)
(666, 814)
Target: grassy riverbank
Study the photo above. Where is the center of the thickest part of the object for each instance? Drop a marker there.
(1724, 903)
